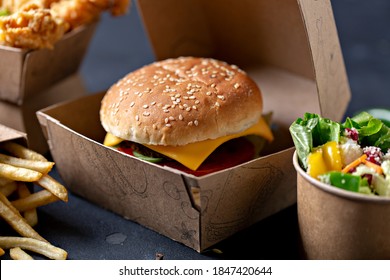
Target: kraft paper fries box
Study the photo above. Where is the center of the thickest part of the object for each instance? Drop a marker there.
(8, 134)
(290, 48)
(25, 73)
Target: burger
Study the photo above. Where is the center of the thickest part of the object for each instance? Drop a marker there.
(190, 113)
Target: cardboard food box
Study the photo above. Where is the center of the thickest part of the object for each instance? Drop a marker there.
(25, 73)
(7, 134)
(23, 117)
(339, 224)
(291, 50)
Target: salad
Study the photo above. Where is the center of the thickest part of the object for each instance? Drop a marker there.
(353, 155)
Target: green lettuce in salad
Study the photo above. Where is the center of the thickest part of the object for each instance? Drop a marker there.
(353, 155)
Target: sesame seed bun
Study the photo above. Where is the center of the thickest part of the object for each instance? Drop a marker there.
(179, 101)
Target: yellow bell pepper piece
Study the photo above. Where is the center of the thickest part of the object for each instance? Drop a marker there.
(332, 156)
(316, 164)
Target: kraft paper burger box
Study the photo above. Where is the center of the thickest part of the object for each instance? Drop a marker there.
(290, 48)
(23, 117)
(25, 73)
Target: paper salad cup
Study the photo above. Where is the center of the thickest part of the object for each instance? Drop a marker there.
(339, 224)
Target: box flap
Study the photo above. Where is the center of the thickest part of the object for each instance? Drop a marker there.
(331, 77)
(296, 36)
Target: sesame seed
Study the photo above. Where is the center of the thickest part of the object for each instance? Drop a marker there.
(181, 117)
(132, 104)
(146, 106)
(196, 123)
(154, 126)
(213, 76)
(213, 85)
(194, 107)
(197, 102)
(153, 103)
(208, 93)
(221, 97)
(166, 120)
(236, 85)
(190, 123)
(192, 97)
(146, 114)
(168, 125)
(171, 118)
(137, 118)
(166, 111)
(217, 104)
(188, 109)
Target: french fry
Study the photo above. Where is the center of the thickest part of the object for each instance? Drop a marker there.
(8, 189)
(34, 245)
(18, 223)
(30, 215)
(43, 167)
(34, 200)
(53, 186)
(18, 173)
(19, 165)
(18, 254)
(20, 151)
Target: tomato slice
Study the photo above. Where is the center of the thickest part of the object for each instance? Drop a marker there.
(126, 150)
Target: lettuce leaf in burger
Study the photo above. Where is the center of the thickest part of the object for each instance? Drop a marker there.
(189, 113)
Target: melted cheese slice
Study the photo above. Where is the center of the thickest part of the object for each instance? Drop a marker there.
(192, 155)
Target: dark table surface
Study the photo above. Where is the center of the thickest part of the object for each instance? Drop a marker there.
(120, 46)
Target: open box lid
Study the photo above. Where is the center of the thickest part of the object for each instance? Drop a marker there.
(290, 48)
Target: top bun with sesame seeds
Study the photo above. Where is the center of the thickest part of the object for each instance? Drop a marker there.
(179, 101)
